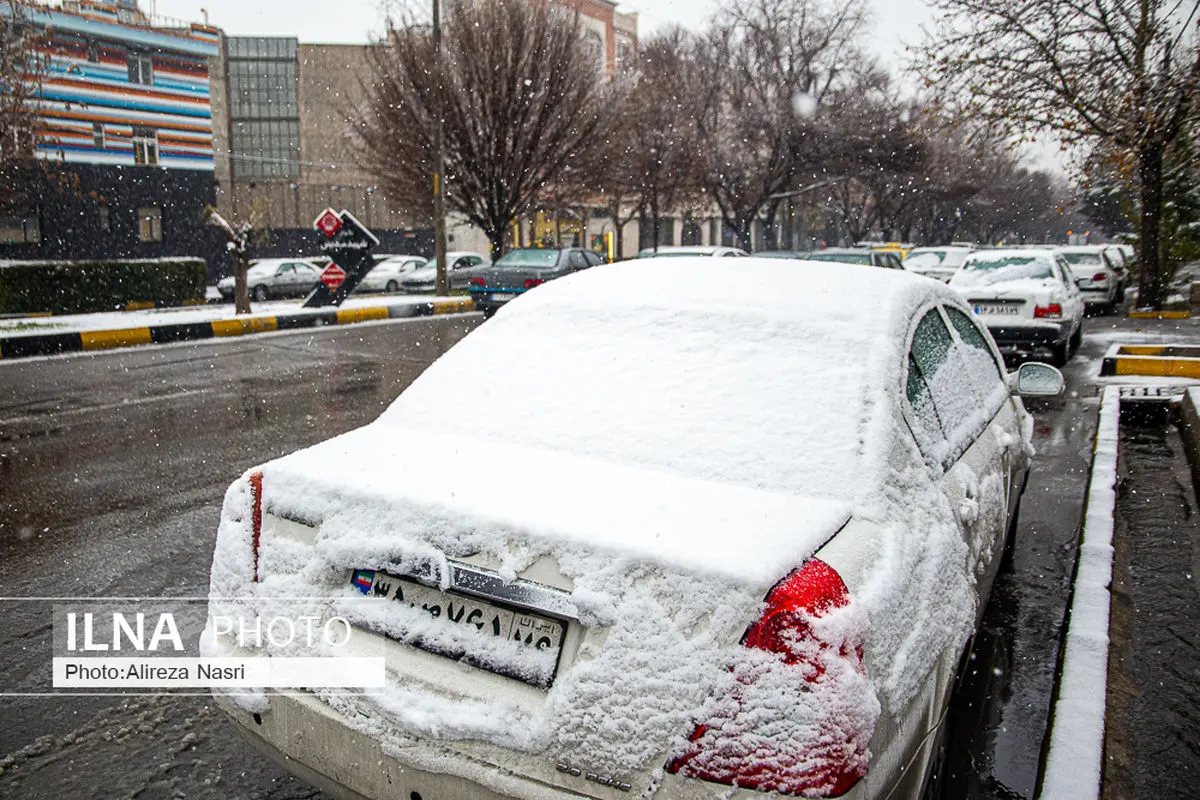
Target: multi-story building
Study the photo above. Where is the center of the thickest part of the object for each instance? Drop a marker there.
(124, 133)
(282, 126)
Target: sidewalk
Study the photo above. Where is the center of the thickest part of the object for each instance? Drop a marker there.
(41, 335)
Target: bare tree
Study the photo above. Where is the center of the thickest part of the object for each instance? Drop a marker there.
(21, 69)
(1122, 72)
(762, 74)
(519, 97)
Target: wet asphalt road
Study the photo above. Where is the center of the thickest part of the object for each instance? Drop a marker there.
(112, 469)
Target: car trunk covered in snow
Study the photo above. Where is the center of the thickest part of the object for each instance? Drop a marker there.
(562, 535)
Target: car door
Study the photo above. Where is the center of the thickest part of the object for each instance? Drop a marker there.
(284, 280)
(966, 424)
(1075, 305)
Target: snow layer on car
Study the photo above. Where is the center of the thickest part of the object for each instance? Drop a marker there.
(644, 430)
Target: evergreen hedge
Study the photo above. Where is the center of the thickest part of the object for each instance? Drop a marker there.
(76, 287)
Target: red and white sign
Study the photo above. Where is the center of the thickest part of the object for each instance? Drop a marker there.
(333, 276)
(328, 223)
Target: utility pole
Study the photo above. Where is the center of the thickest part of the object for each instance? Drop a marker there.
(439, 162)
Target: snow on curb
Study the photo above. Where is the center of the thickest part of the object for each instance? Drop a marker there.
(1073, 765)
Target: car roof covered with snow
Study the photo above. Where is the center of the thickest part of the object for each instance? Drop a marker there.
(702, 401)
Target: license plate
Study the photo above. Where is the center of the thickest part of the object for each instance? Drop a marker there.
(997, 308)
(489, 620)
(501, 298)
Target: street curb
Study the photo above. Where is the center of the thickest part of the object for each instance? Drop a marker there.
(43, 344)
(1160, 315)
(1074, 760)
(1160, 361)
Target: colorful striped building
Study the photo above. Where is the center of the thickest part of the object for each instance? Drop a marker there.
(123, 106)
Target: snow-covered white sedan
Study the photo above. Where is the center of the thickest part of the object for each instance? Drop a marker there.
(1028, 299)
(939, 263)
(1098, 278)
(689, 541)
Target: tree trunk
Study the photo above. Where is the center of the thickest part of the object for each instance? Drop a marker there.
(1151, 292)
(241, 288)
(495, 234)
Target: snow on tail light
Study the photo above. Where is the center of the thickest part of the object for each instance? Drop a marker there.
(532, 282)
(478, 281)
(800, 714)
(1052, 310)
(256, 519)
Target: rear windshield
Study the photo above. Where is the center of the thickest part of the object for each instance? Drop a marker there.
(986, 271)
(529, 257)
(844, 258)
(1081, 258)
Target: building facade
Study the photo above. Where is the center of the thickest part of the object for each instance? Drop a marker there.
(124, 137)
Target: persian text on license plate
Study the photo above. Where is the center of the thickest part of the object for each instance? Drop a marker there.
(531, 630)
(997, 308)
(500, 297)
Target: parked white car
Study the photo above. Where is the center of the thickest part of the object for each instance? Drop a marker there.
(671, 251)
(1027, 298)
(705, 536)
(387, 274)
(275, 277)
(939, 263)
(1099, 279)
(461, 266)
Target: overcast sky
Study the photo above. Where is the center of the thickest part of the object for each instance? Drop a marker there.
(897, 22)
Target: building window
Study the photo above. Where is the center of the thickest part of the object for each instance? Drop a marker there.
(141, 69)
(24, 229)
(150, 224)
(145, 145)
(595, 49)
(104, 218)
(93, 53)
(98, 135)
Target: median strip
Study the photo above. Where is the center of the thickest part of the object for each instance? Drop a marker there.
(1164, 361)
(76, 341)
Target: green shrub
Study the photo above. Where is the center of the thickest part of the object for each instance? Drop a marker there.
(75, 287)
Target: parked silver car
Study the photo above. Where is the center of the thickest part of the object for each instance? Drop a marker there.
(461, 265)
(275, 277)
(387, 274)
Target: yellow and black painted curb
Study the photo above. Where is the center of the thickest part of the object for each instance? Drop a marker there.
(41, 344)
(1157, 360)
(1160, 314)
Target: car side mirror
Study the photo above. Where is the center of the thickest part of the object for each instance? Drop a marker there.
(1034, 379)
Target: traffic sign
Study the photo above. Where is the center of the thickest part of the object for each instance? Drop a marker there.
(333, 276)
(329, 223)
(348, 245)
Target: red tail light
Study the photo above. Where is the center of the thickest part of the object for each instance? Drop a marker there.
(1052, 310)
(478, 280)
(256, 518)
(1100, 277)
(532, 282)
(828, 768)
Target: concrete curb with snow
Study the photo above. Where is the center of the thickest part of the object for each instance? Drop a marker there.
(44, 335)
(1075, 759)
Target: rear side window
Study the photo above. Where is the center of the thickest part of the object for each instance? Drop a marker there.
(930, 348)
(967, 330)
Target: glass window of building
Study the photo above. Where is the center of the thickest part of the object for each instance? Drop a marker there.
(264, 109)
(141, 68)
(150, 224)
(145, 145)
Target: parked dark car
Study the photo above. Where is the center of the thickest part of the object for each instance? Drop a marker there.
(518, 271)
(889, 259)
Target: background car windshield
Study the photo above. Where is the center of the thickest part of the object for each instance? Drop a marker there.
(529, 258)
(925, 258)
(1001, 270)
(1082, 258)
(845, 258)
